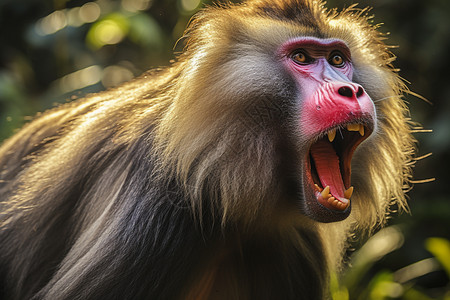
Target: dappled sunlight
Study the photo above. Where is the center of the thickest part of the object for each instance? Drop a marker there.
(111, 30)
(189, 5)
(75, 17)
(79, 79)
(136, 5)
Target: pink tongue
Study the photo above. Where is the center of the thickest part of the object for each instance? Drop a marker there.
(327, 166)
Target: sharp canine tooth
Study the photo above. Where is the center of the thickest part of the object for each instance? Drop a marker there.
(325, 193)
(348, 193)
(331, 135)
(361, 130)
(318, 188)
(353, 127)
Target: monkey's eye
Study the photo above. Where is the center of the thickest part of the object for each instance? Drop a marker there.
(301, 57)
(337, 59)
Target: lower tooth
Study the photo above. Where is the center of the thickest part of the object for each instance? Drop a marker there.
(326, 192)
(348, 193)
(318, 188)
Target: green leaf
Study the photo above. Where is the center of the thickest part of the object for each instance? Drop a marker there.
(338, 292)
(440, 248)
(382, 286)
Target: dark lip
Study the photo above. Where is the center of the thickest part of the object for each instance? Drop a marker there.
(313, 208)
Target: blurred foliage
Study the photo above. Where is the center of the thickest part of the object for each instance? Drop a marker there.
(52, 51)
(359, 283)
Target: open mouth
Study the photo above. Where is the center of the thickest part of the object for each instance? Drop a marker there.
(330, 165)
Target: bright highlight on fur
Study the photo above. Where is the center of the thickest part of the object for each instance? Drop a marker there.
(236, 173)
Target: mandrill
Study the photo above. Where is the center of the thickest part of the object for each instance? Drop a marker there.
(236, 173)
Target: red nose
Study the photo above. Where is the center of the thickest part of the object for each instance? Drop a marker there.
(347, 98)
(336, 103)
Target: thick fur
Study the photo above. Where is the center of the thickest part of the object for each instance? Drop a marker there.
(182, 183)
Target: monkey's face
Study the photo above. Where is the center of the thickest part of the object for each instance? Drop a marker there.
(335, 116)
(274, 113)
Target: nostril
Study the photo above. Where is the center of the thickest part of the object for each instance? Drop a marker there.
(345, 91)
(360, 92)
